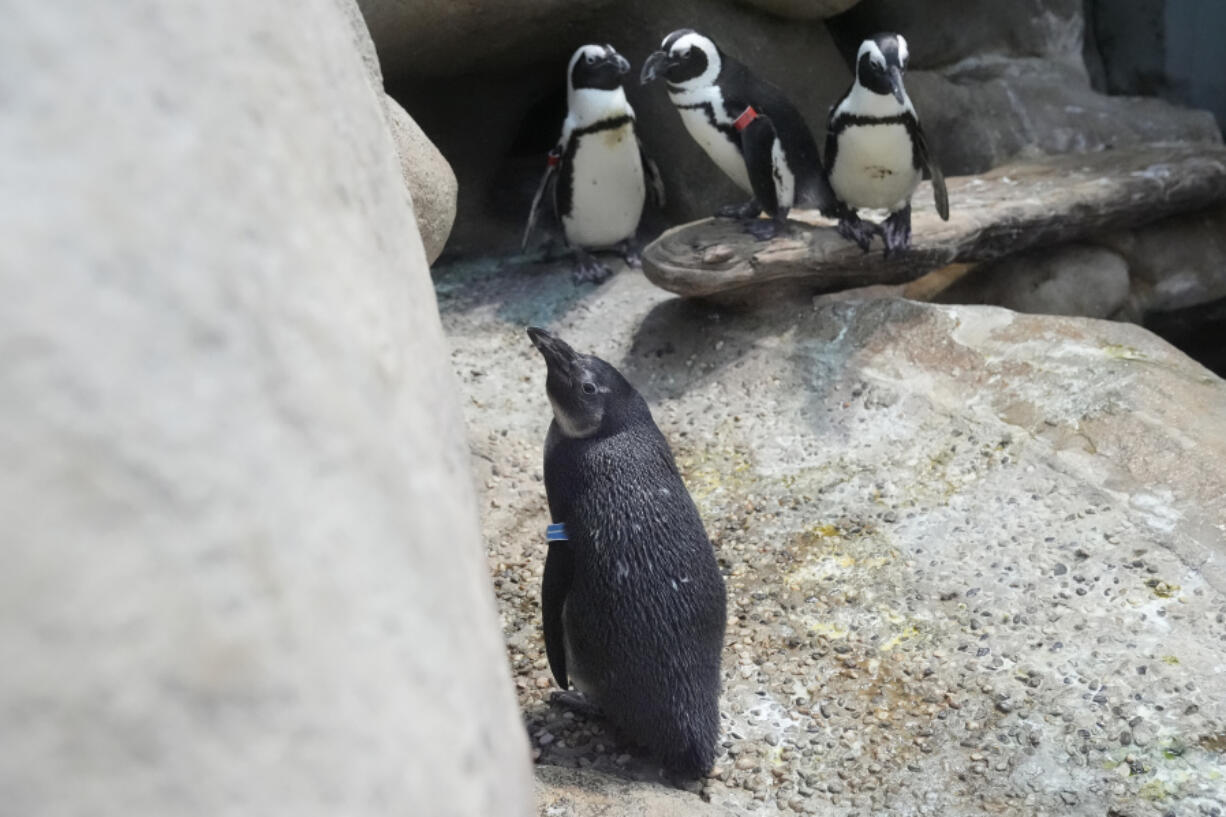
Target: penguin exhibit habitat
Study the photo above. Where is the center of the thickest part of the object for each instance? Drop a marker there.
(721, 408)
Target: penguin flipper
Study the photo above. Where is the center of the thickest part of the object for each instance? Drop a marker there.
(559, 572)
(548, 180)
(655, 182)
(757, 146)
(939, 194)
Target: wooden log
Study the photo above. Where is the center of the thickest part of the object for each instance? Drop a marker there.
(1038, 202)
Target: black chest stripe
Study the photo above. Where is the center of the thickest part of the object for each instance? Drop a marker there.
(849, 120)
(709, 110)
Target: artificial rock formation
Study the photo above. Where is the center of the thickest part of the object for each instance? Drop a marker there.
(243, 568)
(975, 559)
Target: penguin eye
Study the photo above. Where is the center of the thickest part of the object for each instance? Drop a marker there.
(590, 59)
(589, 387)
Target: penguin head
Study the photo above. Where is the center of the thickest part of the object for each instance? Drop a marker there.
(880, 64)
(596, 67)
(686, 59)
(589, 396)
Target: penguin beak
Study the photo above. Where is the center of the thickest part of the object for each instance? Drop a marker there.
(896, 85)
(623, 64)
(655, 65)
(558, 355)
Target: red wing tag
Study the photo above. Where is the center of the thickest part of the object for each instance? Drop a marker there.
(555, 156)
(742, 121)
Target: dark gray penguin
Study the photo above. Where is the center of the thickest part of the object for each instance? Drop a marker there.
(876, 152)
(597, 177)
(748, 128)
(633, 601)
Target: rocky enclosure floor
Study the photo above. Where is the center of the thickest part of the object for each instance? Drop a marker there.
(974, 559)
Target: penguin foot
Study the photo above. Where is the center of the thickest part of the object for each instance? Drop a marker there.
(589, 270)
(749, 209)
(764, 230)
(896, 231)
(632, 254)
(575, 702)
(853, 228)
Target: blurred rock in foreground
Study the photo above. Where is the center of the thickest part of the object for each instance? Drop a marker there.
(243, 569)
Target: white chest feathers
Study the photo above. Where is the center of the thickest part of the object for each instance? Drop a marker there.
(697, 107)
(606, 170)
(874, 165)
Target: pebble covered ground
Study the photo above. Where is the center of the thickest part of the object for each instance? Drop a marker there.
(930, 612)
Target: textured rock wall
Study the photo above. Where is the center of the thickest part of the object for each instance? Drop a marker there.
(243, 569)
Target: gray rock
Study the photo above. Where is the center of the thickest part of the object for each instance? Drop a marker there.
(576, 793)
(430, 180)
(1175, 263)
(803, 9)
(429, 39)
(232, 441)
(1012, 443)
(1075, 279)
(1013, 208)
(981, 115)
(951, 31)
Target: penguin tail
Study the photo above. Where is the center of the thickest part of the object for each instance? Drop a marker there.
(692, 761)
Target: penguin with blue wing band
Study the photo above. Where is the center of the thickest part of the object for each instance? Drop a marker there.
(633, 602)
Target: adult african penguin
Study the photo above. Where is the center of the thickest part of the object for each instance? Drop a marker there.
(748, 128)
(597, 176)
(632, 599)
(875, 148)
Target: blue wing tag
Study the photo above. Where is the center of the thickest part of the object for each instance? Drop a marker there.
(556, 533)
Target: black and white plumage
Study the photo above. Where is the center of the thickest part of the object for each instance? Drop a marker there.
(876, 152)
(597, 176)
(633, 602)
(747, 126)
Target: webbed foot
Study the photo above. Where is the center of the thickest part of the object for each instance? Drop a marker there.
(764, 230)
(588, 269)
(575, 702)
(853, 228)
(632, 253)
(896, 231)
(749, 209)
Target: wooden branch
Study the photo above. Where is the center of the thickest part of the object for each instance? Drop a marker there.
(1012, 208)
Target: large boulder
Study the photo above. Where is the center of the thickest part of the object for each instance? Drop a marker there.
(1076, 279)
(431, 181)
(976, 560)
(1174, 263)
(982, 115)
(243, 567)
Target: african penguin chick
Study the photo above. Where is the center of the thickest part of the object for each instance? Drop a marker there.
(632, 598)
(597, 175)
(748, 128)
(875, 149)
